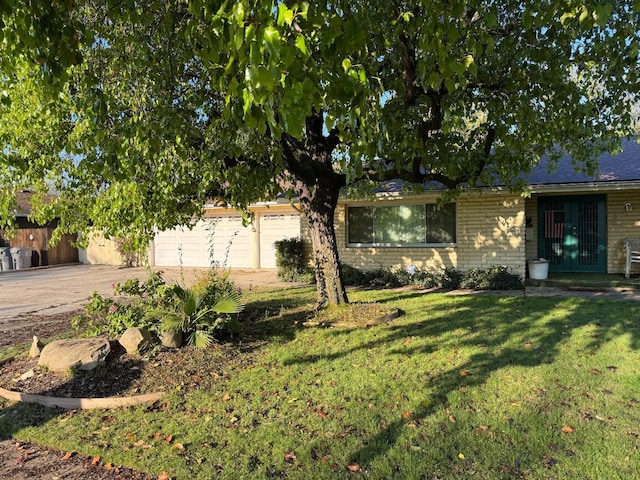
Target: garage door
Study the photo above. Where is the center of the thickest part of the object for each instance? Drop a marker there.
(230, 242)
(220, 241)
(275, 227)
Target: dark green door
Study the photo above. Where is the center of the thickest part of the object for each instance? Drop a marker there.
(572, 233)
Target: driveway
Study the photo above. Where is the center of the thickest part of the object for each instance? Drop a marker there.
(49, 291)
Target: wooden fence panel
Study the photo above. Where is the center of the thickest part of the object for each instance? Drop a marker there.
(37, 239)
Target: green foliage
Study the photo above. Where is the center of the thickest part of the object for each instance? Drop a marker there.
(352, 276)
(105, 316)
(290, 260)
(180, 102)
(197, 319)
(494, 278)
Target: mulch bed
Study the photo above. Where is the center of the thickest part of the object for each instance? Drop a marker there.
(185, 368)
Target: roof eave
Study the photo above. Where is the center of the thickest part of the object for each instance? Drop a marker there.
(584, 186)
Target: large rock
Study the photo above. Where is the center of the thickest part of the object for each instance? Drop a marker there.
(135, 339)
(36, 347)
(172, 338)
(81, 353)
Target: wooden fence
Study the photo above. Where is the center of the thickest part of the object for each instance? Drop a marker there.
(37, 239)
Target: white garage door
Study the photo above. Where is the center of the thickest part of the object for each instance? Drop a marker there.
(275, 227)
(181, 246)
(220, 241)
(230, 242)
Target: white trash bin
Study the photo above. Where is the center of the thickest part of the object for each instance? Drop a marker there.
(538, 269)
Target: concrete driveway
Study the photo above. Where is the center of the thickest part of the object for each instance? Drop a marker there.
(48, 291)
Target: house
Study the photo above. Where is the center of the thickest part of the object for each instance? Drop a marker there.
(36, 237)
(577, 222)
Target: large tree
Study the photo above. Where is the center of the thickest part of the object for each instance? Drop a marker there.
(177, 102)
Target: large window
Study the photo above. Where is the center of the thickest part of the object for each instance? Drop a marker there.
(402, 225)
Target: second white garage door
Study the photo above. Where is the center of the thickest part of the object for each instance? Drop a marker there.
(275, 227)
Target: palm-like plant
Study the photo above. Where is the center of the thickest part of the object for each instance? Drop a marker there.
(194, 318)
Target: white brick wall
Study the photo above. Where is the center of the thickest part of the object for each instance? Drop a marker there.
(490, 232)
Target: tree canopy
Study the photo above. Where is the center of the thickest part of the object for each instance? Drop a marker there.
(159, 106)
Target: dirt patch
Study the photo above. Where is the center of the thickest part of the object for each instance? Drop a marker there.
(25, 460)
(186, 368)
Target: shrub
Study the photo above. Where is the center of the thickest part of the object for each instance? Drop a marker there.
(191, 314)
(451, 278)
(380, 278)
(428, 278)
(290, 259)
(494, 278)
(351, 276)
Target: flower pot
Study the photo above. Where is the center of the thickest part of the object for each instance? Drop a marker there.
(538, 269)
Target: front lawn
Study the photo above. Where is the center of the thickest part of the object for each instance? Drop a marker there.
(476, 386)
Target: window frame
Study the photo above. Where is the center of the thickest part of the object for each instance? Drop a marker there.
(398, 245)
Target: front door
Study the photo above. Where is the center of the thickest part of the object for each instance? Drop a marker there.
(572, 233)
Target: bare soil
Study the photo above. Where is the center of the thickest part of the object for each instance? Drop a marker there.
(123, 375)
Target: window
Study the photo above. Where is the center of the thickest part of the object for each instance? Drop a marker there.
(402, 225)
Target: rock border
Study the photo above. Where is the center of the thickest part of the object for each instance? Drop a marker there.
(80, 403)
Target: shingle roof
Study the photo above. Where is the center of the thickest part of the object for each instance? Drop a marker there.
(622, 167)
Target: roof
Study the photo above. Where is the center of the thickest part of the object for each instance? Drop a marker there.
(623, 167)
(612, 169)
(23, 202)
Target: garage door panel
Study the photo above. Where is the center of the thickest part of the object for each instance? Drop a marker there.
(274, 227)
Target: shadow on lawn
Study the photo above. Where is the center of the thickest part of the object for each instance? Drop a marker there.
(500, 328)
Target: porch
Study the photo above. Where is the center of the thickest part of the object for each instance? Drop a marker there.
(587, 281)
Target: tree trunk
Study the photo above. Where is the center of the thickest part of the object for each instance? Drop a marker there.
(319, 203)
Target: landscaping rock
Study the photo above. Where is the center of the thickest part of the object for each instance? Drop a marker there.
(36, 347)
(82, 353)
(28, 374)
(135, 340)
(171, 338)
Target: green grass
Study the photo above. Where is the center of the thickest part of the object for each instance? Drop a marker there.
(473, 386)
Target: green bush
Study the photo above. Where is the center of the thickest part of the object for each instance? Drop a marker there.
(451, 278)
(494, 278)
(208, 308)
(290, 260)
(428, 278)
(351, 276)
(381, 278)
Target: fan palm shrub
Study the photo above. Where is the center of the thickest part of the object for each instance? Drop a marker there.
(196, 318)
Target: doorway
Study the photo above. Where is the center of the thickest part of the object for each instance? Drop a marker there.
(572, 233)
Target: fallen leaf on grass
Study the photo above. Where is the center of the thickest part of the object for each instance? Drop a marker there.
(567, 429)
(354, 467)
(484, 430)
(67, 455)
(164, 476)
(139, 443)
(179, 446)
(226, 397)
(406, 414)
(464, 373)
(95, 460)
(452, 419)
(290, 457)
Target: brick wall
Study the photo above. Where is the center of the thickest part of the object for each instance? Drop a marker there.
(490, 231)
(621, 224)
